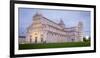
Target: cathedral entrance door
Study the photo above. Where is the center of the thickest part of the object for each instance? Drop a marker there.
(35, 39)
(41, 40)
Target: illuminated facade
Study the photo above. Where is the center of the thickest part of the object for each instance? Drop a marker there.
(43, 30)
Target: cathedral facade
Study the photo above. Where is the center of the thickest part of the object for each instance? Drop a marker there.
(43, 30)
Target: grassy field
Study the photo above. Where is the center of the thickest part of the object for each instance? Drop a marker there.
(54, 45)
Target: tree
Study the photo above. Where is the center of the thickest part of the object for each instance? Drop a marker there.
(84, 39)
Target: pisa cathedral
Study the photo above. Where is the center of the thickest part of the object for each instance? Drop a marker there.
(43, 30)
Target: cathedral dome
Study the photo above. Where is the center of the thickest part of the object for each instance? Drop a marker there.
(61, 23)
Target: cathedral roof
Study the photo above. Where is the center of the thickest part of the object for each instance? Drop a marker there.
(37, 14)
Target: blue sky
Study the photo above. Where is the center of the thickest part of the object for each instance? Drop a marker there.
(70, 18)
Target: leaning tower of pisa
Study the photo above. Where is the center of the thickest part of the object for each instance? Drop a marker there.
(80, 31)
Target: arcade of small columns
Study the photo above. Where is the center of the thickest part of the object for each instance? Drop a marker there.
(56, 35)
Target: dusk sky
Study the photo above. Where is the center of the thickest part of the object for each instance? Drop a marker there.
(70, 18)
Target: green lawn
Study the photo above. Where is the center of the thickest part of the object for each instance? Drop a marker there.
(54, 45)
